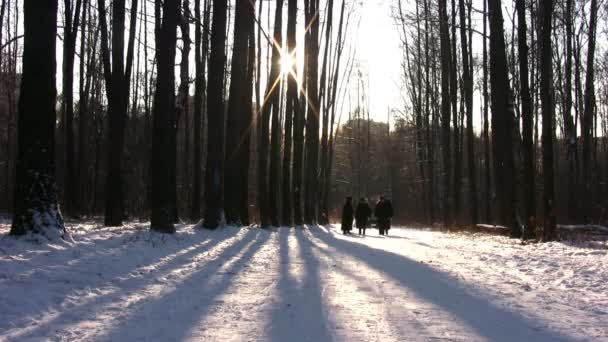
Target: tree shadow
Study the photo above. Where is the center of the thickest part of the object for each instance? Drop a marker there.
(446, 292)
(363, 281)
(157, 314)
(298, 315)
(68, 315)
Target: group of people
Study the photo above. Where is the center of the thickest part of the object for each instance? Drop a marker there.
(362, 214)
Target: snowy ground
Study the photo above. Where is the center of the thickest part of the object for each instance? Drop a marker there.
(314, 284)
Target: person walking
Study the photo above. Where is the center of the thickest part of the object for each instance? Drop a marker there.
(384, 213)
(362, 214)
(347, 216)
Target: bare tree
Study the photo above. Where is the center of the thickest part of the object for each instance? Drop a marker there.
(36, 209)
(214, 202)
(70, 33)
(117, 76)
(527, 122)
(502, 119)
(239, 116)
(162, 206)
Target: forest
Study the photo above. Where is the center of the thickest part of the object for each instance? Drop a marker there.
(242, 112)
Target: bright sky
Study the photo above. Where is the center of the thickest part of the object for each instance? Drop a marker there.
(379, 52)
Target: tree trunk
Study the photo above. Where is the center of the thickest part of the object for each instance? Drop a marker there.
(445, 107)
(117, 77)
(457, 178)
(239, 116)
(527, 123)
(312, 117)
(502, 120)
(546, 9)
(486, 123)
(570, 131)
(195, 206)
(70, 32)
(214, 202)
(162, 214)
(274, 105)
(587, 126)
(36, 209)
(468, 95)
(183, 103)
(291, 108)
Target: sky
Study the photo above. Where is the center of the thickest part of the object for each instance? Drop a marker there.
(379, 52)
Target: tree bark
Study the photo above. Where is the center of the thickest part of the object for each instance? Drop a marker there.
(162, 210)
(312, 116)
(117, 77)
(502, 120)
(70, 33)
(274, 105)
(214, 202)
(36, 209)
(239, 116)
(183, 100)
(290, 112)
(468, 99)
(486, 123)
(445, 107)
(527, 123)
(587, 122)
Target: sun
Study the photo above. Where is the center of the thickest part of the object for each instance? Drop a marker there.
(287, 63)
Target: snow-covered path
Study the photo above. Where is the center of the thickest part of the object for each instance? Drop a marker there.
(310, 284)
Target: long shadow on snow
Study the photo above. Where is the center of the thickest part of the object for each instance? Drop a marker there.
(362, 280)
(486, 319)
(298, 315)
(72, 314)
(171, 316)
(122, 241)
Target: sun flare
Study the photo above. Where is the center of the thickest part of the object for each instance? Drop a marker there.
(287, 63)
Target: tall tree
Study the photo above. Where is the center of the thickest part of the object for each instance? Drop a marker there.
(201, 45)
(290, 112)
(274, 104)
(527, 122)
(239, 116)
(502, 119)
(486, 122)
(468, 100)
(299, 121)
(323, 214)
(70, 33)
(162, 211)
(195, 206)
(271, 100)
(546, 81)
(457, 163)
(587, 119)
(36, 209)
(569, 128)
(445, 106)
(183, 100)
(117, 76)
(312, 116)
(214, 174)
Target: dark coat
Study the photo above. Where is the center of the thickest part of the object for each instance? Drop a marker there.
(362, 214)
(347, 216)
(384, 213)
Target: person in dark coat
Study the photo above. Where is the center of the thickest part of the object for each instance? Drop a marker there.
(347, 216)
(362, 214)
(384, 213)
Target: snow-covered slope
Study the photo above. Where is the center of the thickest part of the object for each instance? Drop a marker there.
(311, 284)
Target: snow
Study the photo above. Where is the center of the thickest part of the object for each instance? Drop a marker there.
(303, 284)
